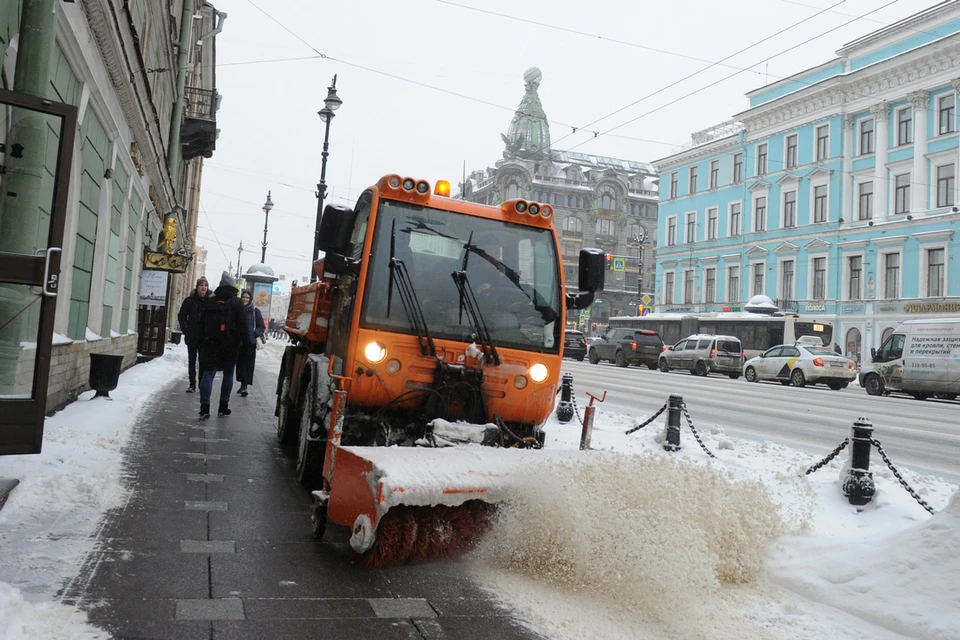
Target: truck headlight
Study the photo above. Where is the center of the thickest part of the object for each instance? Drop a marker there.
(374, 352)
(538, 372)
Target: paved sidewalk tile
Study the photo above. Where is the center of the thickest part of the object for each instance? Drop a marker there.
(210, 609)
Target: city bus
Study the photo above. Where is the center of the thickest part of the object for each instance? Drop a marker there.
(757, 332)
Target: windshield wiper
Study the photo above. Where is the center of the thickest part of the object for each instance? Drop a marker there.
(468, 301)
(408, 297)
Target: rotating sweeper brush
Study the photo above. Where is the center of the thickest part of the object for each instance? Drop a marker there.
(406, 504)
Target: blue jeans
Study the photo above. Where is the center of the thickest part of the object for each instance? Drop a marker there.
(226, 385)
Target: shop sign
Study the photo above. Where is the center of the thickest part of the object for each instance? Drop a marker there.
(887, 308)
(932, 307)
(815, 308)
(853, 309)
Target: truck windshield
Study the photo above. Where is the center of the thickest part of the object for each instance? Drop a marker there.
(512, 269)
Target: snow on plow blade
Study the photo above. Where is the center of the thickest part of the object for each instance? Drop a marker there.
(407, 504)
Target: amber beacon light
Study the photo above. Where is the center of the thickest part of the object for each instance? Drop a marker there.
(442, 188)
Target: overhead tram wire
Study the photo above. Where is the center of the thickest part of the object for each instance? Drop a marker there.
(434, 88)
(696, 73)
(725, 78)
(212, 230)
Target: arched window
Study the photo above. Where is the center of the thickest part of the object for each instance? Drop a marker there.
(608, 198)
(573, 224)
(513, 190)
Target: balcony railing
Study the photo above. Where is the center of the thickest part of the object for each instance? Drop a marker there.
(566, 233)
(200, 103)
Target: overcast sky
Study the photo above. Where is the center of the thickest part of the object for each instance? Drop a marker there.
(430, 84)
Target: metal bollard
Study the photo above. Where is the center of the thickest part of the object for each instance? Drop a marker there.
(674, 406)
(588, 412)
(858, 485)
(565, 406)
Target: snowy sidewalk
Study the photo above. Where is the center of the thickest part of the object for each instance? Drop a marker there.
(214, 540)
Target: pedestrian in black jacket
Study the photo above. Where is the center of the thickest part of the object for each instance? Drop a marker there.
(223, 328)
(189, 318)
(248, 350)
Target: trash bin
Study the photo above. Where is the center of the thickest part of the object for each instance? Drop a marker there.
(104, 373)
(175, 337)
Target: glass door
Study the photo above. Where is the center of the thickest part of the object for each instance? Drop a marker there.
(36, 149)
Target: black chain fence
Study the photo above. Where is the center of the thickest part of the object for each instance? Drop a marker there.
(833, 454)
(696, 435)
(896, 473)
(649, 420)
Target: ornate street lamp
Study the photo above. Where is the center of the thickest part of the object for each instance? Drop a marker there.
(267, 206)
(330, 104)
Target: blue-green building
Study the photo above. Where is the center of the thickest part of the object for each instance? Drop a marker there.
(834, 193)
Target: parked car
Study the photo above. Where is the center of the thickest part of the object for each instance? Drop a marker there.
(590, 340)
(574, 345)
(703, 354)
(624, 347)
(800, 364)
(919, 358)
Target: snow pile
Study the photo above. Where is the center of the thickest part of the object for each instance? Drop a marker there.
(916, 567)
(651, 537)
(21, 620)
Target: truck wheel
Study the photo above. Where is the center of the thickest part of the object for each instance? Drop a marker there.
(751, 375)
(873, 385)
(701, 369)
(797, 378)
(309, 452)
(621, 360)
(319, 520)
(594, 358)
(663, 365)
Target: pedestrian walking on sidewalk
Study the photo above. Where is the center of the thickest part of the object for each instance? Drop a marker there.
(248, 350)
(223, 328)
(189, 318)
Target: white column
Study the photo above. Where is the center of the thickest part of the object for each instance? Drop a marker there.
(847, 177)
(918, 178)
(881, 185)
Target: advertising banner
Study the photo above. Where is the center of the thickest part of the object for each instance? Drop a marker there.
(153, 288)
(262, 296)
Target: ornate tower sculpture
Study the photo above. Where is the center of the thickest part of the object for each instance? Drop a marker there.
(529, 133)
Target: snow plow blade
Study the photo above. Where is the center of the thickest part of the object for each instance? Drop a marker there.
(407, 504)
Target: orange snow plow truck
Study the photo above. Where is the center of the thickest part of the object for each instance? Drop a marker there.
(423, 362)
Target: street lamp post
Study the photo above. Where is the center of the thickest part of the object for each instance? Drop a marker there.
(267, 206)
(330, 104)
(239, 251)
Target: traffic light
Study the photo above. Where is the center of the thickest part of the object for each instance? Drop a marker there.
(609, 262)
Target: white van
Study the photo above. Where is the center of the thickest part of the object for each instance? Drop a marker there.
(921, 357)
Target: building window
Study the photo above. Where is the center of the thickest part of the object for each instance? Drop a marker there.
(866, 136)
(673, 185)
(758, 279)
(901, 193)
(760, 214)
(606, 227)
(691, 227)
(693, 180)
(762, 159)
(671, 232)
(891, 275)
(737, 167)
(712, 215)
(608, 199)
(946, 107)
(735, 219)
(935, 264)
(714, 173)
(513, 191)
(571, 249)
(733, 284)
(668, 287)
(819, 278)
(855, 266)
(710, 286)
(905, 126)
(688, 286)
(791, 151)
(789, 209)
(820, 203)
(823, 142)
(945, 180)
(786, 279)
(865, 206)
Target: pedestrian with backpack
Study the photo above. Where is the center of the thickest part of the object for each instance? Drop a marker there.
(223, 328)
(189, 318)
(248, 350)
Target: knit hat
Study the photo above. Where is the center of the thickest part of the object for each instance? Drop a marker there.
(202, 280)
(227, 280)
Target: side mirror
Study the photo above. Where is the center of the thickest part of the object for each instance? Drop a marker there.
(873, 353)
(338, 264)
(593, 263)
(336, 227)
(590, 278)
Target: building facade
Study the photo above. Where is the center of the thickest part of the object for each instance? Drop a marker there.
(141, 76)
(834, 193)
(600, 202)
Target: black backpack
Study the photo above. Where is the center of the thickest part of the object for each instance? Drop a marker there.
(218, 322)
